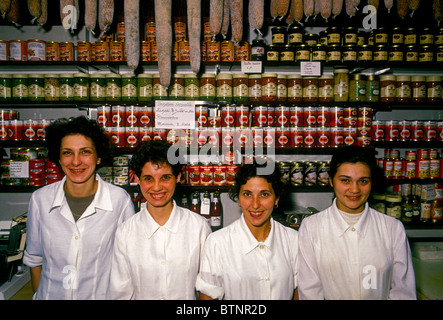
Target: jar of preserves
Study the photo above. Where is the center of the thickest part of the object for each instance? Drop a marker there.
(254, 84)
(52, 87)
(144, 87)
(334, 35)
(393, 205)
(295, 88)
(411, 53)
(350, 36)
(349, 53)
(287, 53)
(364, 53)
(326, 88)
(323, 37)
(36, 87)
(97, 90)
(434, 89)
(334, 53)
(278, 35)
(310, 89)
(319, 53)
(418, 87)
(372, 88)
(381, 36)
(426, 54)
(362, 37)
(224, 87)
(426, 36)
(438, 37)
(5, 87)
(81, 86)
(310, 39)
(404, 92)
(397, 35)
(357, 88)
(273, 53)
(207, 86)
(303, 53)
(378, 202)
(113, 87)
(396, 53)
(159, 92)
(295, 35)
(177, 87)
(341, 85)
(20, 87)
(66, 87)
(129, 87)
(380, 54)
(269, 87)
(411, 36)
(282, 88)
(439, 54)
(388, 88)
(192, 87)
(258, 50)
(241, 87)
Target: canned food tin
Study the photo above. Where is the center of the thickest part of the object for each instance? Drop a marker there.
(297, 173)
(84, 51)
(4, 50)
(66, 51)
(36, 50)
(18, 50)
(15, 130)
(101, 51)
(241, 51)
(52, 51)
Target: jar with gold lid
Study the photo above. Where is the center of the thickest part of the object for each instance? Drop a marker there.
(357, 88)
(295, 35)
(396, 53)
(426, 36)
(310, 89)
(426, 54)
(350, 36)
(397, 35)
(319, 53)
(411, 36)
(411, 53)
(364, 53)
(334, 35)
(404, 92)
(334, 53)
(341, 85)
(380, 53)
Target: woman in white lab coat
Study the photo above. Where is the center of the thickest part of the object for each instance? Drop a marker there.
(71, 223)
(350, 251)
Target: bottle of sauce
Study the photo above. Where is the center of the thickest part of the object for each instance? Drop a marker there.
(184, 202)
(216, 212)
(195, 207)
(205, 208)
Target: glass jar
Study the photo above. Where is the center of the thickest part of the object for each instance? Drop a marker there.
(411, 36)
(418, 87)
(282, 88)
(66, 87)
(341, 85)
(323, 37)
(319, 53)
(349, 53)
(439, 54)
(273, 53)
(81, 86)
(278, 35)
(393, 205)
(287, 53)
(310, 89)
(434, 89)
(254, 87)
(381, 36)
(303, 53)
(426, 36)
(380, 54)
(378, 202)
(334, 53)
(5, 87)
(404, 92)
(334, 35)
(192, 87)
(295, 88)
(52, 87)
(372, 88)
(224, 87)
(36, 87)
(158, 91)
(177, 87)
(396, 53)
(97, 90)
(364, 53)
(411, 53)
(397, 36)
(326, 88)
(144, 87)
(20, 87)
(129, 87)
(350, 36)
(241, 87)
(438, 37)
(388, 88)
(269, 87)
(207, 86)
(426, 54)
(357, 88)
(311, 39)
(295, 35)
(258, 50)
(113, 87)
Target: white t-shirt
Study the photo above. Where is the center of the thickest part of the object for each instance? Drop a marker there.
(368, 260)
(158, 262)
(235, 266)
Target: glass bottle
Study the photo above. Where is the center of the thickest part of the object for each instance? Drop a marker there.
(341, 85)
(205, 208)
(195, 207)
(216, 212)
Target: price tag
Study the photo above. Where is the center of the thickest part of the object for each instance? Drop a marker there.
(175, 114)
(251, 66)
(310, 68)
(19, 169)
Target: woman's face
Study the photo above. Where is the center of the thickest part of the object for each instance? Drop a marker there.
(352, 186)
(78, 158)
(257, 200)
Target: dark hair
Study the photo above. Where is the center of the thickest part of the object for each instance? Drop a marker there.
(249, 170)
(354, 154)
(62, 127)
(156, 152)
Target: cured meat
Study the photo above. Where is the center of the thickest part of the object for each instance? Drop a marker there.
(326, 9)
(105, 15)
(337, 6)
(389, 4)
(216, 16)
(256, 13)
(308, 8)
(90, 14)
(226, 18)
(237, 19)
(13, 14)
(44, 16)
(350, 8)
(282, 7)
(437, 10)
(274, 9)
(5, 6)
(194, 27)
(297, 10)
(402, 8)
(163, 36)
(35, 9)
(132, 32)
(290, 17)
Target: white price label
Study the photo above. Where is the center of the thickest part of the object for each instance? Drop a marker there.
(310, 68)
(174, 114)
(251, 66)
(19, 169)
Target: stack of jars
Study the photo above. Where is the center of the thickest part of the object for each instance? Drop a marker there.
(407, 130)
(415, 89)
(12, 128)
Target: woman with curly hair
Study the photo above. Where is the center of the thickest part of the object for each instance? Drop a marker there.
(71, 223)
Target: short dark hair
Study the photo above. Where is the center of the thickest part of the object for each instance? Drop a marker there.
(62, 127)
(156, 152)
(249, 170)
(354, 154)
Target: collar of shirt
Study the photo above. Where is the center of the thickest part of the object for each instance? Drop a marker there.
(152, 226)
(341, 225)
(248, 240)
(102, 199)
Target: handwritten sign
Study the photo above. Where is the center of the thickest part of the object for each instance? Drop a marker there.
(251, 66)
(19, 169)
(310, 68)
(175, 114)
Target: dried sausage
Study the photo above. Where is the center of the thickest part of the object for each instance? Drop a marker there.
(297, 8)
(132, 32)
(13, 14)
(274, 9)
(44, 16)
(402, 8)
(237, 19)
(216, 16)
(226, 18)
(163, 36)
(317, 6)
(5, 6)
(413, 5)
(35, 9)
(437, 10)
(91, 14)
(194, 27)
(282, 7)
(105, 14)
(308, 8)
(389, 4)
(326, 9)
(337, 6)
(256, 12)
(350, 9)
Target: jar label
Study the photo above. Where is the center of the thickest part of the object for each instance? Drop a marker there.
(5, 92)
(389, 91)
(159, 91)
(145, 91)
(435, 92)
(295, 91)
(192, 91)
(80, 91)
(419, 92)
(327, 91)
(113, 90)
(241, 90)
(35, 91)
(225, 90)
(269, 89)
(52, 91)
(129, 90)
(255, 91)
(20, 90)
(404, 91)
(97, 91)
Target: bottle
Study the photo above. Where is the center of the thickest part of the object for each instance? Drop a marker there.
(416, 192)
(425, 206)
(205, 208)
(407, 210)
(184, 202)
(216, 212)
(195, 207)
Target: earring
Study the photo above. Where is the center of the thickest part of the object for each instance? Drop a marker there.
(276, 205)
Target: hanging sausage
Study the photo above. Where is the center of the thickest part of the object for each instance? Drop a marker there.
(35, 9)
(216, 16)
(226, 18)
(325, 9)
(256, 12)
(308, 8)
(105, 15)
(132, 32)
(44, 16)
(194, 27)
(237, 19)
(5, 6)
(13, 14)
(163, 37)
(91, 15)
(402, 8)
(437, 10)
(389, 4)
(337, 6)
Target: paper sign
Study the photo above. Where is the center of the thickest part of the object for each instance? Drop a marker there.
(19, 169)
(251, 66)
(175, 114)
(310, 68)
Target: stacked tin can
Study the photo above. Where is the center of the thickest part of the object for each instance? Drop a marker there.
(407, 130)
(12, 128)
